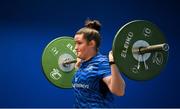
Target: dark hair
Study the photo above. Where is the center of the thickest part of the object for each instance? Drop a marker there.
(91, 31)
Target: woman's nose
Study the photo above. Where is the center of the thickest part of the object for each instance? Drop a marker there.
(76, 47)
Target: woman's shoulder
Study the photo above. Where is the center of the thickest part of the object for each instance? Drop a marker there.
(102, 58)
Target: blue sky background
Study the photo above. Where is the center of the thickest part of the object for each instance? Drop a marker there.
(27, 26)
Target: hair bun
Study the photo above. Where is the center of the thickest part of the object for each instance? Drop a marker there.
(94, 24)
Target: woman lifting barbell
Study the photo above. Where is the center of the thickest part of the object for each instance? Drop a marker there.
(97, 77)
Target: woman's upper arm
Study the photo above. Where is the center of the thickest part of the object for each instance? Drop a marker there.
(107, 80)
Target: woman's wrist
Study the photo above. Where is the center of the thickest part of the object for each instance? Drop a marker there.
(111, 62)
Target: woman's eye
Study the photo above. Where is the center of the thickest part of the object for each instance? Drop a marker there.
(79, 43)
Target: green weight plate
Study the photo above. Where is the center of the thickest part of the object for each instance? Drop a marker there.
(56, 52)
(135, 34)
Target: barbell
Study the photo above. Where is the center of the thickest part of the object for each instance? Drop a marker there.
(139, 49)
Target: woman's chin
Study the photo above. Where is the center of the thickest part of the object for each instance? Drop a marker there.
(79, 56)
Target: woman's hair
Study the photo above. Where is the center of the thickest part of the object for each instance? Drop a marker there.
(91, 31)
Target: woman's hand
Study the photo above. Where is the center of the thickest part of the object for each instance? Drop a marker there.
(78, 63)
(111, 58)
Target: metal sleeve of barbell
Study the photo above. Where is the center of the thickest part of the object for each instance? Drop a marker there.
(69, 62)
(153, 48)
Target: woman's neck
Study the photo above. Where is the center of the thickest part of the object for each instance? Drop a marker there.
(90, 55)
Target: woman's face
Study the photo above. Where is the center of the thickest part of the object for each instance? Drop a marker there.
(82, 47)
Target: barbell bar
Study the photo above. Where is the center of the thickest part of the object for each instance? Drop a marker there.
(140, 50)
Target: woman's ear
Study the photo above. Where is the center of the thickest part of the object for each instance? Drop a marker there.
(92, 43)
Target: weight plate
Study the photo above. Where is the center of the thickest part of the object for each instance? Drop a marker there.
(56, 52)
(139, 33)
